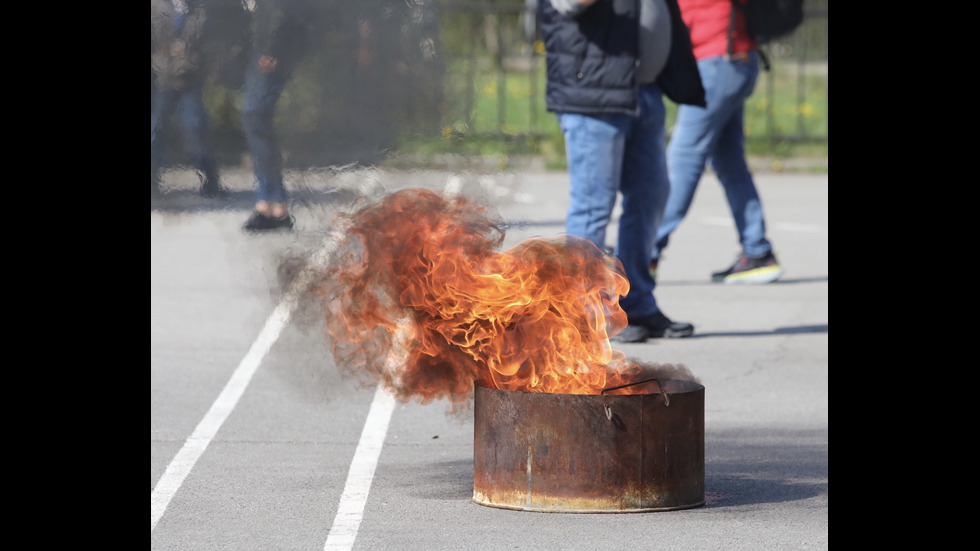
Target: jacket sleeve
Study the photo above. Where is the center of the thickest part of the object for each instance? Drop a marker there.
(680, 79)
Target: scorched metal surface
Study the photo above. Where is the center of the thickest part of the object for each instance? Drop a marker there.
(576, 453)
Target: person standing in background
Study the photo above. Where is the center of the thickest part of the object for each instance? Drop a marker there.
(728, 60)
(176, 38)
(279, 41)
(609, 63)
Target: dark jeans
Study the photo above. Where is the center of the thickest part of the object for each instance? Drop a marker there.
(196, 127)
(258, 110)
(618, 155)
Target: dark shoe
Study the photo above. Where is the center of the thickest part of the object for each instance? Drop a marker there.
(748, 270)
(654, 326)
(212, 189)
(259, 222)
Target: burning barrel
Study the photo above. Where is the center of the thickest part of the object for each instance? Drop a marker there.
(590, 453)
(417, 296)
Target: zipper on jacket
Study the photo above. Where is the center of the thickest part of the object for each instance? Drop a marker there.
(636, 63)
(580, 60)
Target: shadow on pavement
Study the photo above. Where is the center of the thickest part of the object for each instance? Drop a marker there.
(781, 281)
(746, 467)
(190, 201)
(742, 467)
(799, 329)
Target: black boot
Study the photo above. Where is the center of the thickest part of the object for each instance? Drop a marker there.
(212, 189)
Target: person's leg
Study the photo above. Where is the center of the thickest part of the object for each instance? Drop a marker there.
(594, 150)
(197, 128)
(645, 189)
(691, 144)
(164, 104)
(258, 109)
(729, 162)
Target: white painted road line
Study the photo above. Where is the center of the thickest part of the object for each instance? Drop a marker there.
(782, 226)
(194, 447)
(351, 509)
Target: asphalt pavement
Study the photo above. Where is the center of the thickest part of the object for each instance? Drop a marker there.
(258, 441)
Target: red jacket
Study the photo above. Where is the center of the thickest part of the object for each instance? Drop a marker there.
(708, 21)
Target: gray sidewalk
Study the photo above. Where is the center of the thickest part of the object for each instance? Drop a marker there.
(254, 433)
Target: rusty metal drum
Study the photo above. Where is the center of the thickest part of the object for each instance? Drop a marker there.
(577, 453)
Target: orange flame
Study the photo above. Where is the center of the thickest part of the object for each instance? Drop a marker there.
(417, 296)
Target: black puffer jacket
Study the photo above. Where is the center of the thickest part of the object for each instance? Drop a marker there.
(592, 58)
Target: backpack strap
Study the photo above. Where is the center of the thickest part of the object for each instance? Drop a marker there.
(731, 31)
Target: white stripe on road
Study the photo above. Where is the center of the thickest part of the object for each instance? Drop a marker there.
(782, 226)
(194, 447)
(188, 455)
(801, 228)
(352, 501)
(350, 511)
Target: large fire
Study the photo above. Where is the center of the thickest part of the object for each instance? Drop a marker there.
(418, 296)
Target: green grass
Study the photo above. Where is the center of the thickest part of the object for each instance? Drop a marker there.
(507, 117)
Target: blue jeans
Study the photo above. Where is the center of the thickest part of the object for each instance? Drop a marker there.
(258, 111)
(610, 154)
(716, 135)
(196, 126)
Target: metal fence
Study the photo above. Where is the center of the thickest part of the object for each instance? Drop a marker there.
(496, 48)
(378, 70)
